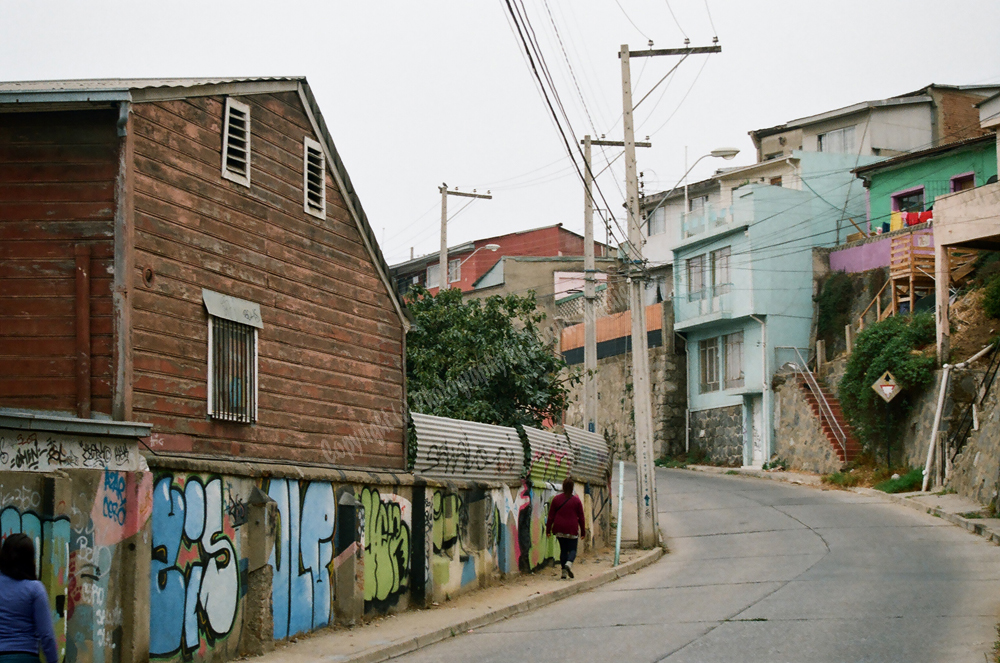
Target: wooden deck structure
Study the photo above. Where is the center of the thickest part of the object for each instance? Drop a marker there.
(912, 273)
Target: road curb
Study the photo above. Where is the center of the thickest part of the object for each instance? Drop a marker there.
(978, 529)
(794, 478)
(393, 649)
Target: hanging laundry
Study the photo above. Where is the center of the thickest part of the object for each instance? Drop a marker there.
(895, 220)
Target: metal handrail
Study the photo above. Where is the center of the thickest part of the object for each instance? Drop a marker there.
(956, 440)
(826, 412)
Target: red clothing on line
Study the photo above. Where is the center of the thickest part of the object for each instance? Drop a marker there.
(566, 516)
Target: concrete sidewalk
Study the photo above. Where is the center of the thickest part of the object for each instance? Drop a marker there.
(395, 635)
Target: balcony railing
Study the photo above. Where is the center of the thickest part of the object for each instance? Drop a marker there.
(718, 299)
(706, 220)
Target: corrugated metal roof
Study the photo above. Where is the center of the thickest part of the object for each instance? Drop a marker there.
(104, 84)
(551, 456)
(591, 459)
(455, 449)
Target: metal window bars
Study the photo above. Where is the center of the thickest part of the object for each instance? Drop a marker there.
(232, 371)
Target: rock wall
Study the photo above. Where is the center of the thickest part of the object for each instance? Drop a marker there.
(615, 419)
(799, 439)
(976, 469)
(719, 434)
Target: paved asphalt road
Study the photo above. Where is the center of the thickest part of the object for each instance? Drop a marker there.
(765, 571)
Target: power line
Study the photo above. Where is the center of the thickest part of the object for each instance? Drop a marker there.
(710, 21)
(569, 66)
(674, 16)
(521, 25)
(683, 99)
(631, 21)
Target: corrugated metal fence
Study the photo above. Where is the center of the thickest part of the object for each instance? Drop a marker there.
(467, 450)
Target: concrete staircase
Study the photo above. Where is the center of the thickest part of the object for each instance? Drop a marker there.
(852, 444)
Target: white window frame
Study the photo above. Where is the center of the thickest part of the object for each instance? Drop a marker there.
(841, 135)
(433, 282)
(307, 145)
(695, 266)
(454, 271)
(239, 178)
(733, 373)
(656, 224)
(721, 266)
(705, 384)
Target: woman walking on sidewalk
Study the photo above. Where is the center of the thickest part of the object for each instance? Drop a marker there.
(566, 522)
(25, 615)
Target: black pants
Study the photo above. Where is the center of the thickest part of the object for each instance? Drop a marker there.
(567, 550)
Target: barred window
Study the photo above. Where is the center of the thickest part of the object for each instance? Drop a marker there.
(232, 357)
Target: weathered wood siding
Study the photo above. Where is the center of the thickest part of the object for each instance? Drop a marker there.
(331, 366)
(57, 181)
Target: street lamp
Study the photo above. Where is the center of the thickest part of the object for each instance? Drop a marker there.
(489, 247)
(726, 153)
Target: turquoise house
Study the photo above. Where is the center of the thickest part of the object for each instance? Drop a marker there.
(743, 296)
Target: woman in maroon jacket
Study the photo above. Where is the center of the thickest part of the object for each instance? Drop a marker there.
(566, 522)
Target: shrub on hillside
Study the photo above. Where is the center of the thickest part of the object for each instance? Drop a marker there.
(891, 345)
(991, 298)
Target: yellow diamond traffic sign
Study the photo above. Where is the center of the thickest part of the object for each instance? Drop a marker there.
(886, 387)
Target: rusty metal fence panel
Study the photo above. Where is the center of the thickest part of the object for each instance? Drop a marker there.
(591, 458)
(551, 456)
(455, 449)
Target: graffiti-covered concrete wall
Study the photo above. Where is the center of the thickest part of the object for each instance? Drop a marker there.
(89, 528)
(240, 561)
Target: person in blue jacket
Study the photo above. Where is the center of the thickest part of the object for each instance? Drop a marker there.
(25, 615)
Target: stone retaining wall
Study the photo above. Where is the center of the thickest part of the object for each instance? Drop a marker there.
(977, 467)
(719, 433)
(668, 381)
(799, 439)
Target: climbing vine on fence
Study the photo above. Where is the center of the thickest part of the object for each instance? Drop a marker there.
(902, 346)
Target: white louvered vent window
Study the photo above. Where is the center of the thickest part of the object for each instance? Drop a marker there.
(236, 142)
(314, 178)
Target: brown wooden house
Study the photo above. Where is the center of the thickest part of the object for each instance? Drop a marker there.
(191, 254)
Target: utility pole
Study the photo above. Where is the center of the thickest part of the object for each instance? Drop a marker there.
(589, 286)
(443, 282)
(641, 393)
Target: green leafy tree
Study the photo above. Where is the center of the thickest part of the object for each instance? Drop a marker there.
(482, 360)
(891, 345)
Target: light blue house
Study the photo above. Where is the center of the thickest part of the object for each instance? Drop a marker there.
(743, 290)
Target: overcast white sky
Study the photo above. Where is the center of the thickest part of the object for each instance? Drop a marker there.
(419, 93)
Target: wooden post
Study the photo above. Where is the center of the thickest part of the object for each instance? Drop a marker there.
(849, 337)
(82, 254)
